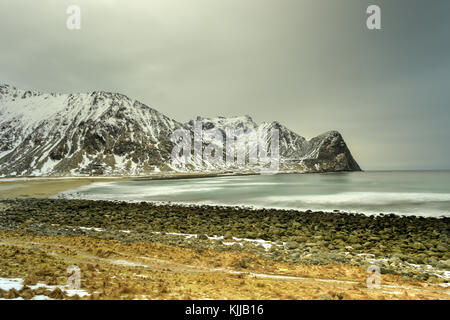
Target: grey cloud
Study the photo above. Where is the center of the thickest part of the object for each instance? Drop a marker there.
(310, 64)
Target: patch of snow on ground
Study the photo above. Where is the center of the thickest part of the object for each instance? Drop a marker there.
(7, 284)
(91, 229)
(266, 244)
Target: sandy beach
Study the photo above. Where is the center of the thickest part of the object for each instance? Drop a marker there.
(43, 187)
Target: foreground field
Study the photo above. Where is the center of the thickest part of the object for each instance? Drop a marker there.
(142, 270)
(147, 251)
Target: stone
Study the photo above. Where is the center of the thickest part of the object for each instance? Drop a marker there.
(291, 245)
(295, 255)
(202, 237)
(228, 236)
(419, 246)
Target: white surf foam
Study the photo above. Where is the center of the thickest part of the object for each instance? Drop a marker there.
(363, 198)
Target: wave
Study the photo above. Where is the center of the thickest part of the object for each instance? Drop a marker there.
(228, 193)
(112, 189)
(363, 198)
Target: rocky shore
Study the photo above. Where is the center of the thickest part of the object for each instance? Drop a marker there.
(412, 247)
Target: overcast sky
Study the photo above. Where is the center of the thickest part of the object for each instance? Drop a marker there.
(310, 64)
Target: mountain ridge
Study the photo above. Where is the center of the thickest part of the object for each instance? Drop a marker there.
(107, 133)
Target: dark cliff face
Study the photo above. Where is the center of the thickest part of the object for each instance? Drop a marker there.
(109, 134)
(336, 154)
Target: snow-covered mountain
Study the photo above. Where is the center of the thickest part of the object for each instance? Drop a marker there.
(327, 152)
(101, 133)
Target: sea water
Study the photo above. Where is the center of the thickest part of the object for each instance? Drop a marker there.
(424, 193)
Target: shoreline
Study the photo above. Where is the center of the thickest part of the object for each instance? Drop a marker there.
(64, 196)
(43, 187)
(60, 184)
(61, 188)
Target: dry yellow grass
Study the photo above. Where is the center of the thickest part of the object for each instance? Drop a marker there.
(143, 270)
